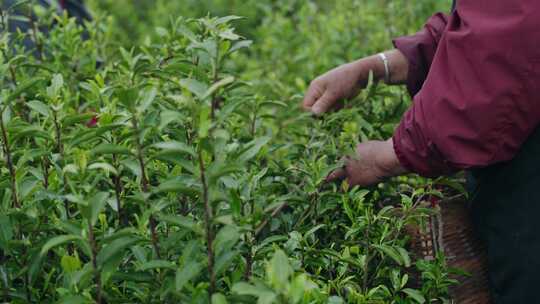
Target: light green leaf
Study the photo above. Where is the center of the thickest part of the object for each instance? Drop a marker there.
(264, 295)
(219, 298)
(146, 98)
(196, 87)
(279, 270)
(415, 295)
(96, 205)
(205, 122)
(219, 169)
(190, 270)
(168, 116)
(252, 149)
(162, 32)
(240, 44)
(224, 260)
(23, 87)
(226, 238)
(176, 147)
(229, 34)
(404, 256)
(39, 107)
(103, 166)
(58, 240)
(110, 149)
(70, 263)
(227, 19)
(390, 252)
(157, 264)
(179, 185)
(182, 221)
(116, 247)
(74, 299)
(57, 83)
(221, 83)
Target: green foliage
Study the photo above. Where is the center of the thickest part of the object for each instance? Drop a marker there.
(182, 170)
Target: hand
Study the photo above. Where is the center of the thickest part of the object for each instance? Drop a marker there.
(374, 162)
(346, 81)
(327, 90)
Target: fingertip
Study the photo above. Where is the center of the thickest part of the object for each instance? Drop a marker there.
(317, 109)
(336, 175)
(306, 106)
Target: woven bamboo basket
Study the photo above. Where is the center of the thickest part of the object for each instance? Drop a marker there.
(451, 231)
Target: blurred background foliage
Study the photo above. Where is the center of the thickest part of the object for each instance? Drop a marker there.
(293, 40)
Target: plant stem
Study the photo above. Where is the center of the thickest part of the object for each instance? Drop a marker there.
(58, 134)
(35, 31)
(45, 166)
(208, 222)
(97, 275)
(253, 123)
(118, 193)
(249, 262)
(155, 239)
(60, 150)
(215, 97)
(9, 162)
(145, 186)
(366, 264)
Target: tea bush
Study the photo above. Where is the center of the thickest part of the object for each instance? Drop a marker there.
(182, 170)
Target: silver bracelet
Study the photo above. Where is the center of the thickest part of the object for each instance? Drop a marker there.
(386, 67)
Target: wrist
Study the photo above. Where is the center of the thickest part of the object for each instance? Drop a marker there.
(372, 64)
(387, 160)
(398, 67)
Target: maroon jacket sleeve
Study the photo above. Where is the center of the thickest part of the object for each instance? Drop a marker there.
(481, 97)
(420, 49)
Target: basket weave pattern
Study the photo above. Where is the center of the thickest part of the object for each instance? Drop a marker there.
(451, 231)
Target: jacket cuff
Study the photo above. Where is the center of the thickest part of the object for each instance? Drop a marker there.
(414, 148)
(417, 74)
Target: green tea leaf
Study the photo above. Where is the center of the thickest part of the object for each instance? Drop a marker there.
(96, 205)
(57, 241)
(196, 87)
(415, 295)
(6, 231)
(219, 298)
(157, 264)
(252, 149)
(221, 83)
(114, 248)
(39, 107)
(390, 252)
(182, 221)
(176, 147)
(279, 270)
(226, 238)
(110, 149)
(188, 272)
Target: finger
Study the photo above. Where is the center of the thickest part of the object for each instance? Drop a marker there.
(324, 103)
(313, 93)
(337, 175)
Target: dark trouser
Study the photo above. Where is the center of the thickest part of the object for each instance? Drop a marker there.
(506, 212)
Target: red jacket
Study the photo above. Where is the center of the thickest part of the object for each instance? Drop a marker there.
(475, 78)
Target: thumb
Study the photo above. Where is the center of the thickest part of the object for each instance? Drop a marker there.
(324, 103)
